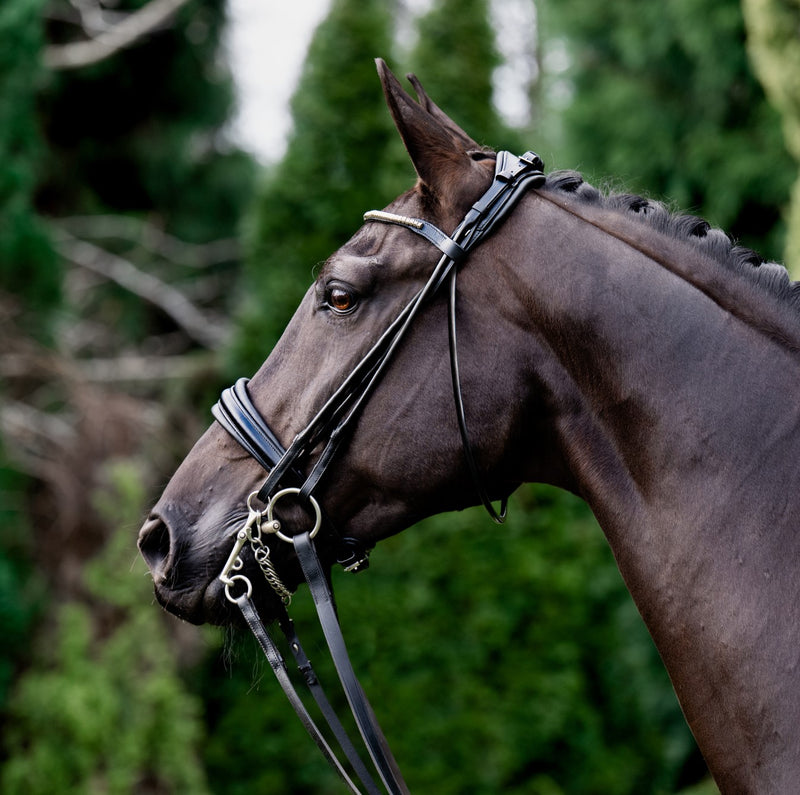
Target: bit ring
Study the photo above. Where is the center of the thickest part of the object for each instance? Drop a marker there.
(314, 503)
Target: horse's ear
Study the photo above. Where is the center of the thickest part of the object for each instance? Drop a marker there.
(432, 108)
(436, 144)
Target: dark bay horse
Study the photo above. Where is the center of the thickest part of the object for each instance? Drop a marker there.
(633, 357)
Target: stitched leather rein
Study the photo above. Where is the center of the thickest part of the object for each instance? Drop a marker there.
(237, 414)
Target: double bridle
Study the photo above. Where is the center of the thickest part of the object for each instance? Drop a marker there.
(237, 414)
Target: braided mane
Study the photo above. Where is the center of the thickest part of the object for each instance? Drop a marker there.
(771, 276)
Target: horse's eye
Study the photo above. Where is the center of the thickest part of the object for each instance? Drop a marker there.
(340, 299)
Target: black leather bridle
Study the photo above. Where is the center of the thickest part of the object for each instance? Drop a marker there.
(237, 414)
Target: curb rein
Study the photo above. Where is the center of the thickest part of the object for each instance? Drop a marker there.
(237, 414)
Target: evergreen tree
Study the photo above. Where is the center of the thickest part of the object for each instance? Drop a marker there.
(456, 56)
(141, 135)
(336, 167)
(774, 45)
(664, 102)
(102, 708)
(28, 267)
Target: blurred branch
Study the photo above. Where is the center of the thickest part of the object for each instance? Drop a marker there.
(124, 273)
(129, 368)
(137, 369)
(124, 34)
(89, 15)
(150, 237)
(34, 431)
(34, 438)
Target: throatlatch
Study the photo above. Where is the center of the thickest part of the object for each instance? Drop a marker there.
(237, 414)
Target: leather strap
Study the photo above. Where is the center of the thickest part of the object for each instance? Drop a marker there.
(328, 712)
(278, 666)
(466, 443)
(513, 177)
(425, 229)
(362, 711)
(235, 413)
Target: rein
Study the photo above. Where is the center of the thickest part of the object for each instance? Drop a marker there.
(237, 414)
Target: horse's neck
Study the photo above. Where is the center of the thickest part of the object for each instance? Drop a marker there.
(654, 382)
(682, 432)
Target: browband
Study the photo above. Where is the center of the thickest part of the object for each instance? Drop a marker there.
(513, 176)
(425, 229)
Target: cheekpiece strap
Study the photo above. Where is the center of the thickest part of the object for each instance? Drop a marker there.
(425, 229)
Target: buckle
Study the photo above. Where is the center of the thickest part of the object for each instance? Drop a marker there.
(530, 161)
(352, 555)
(533, 160)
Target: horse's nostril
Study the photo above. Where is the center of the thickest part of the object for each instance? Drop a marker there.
(154, 544)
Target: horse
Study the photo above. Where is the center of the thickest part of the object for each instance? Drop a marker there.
(607, 346)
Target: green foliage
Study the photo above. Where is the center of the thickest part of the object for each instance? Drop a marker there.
(142, 134)
(102, 710)
(335, 169)
(28, 266)
(774, 46)
(707, 787)
(665, 103)
(464, 76)
(20, 588)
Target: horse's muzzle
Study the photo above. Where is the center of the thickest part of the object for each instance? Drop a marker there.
(177, 588)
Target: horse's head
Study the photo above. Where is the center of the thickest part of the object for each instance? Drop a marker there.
(402, 457)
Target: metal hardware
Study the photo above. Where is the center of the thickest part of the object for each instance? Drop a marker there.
(261, 553)
(271, 520)
(252, 530)
(234, 562)
(392, 218)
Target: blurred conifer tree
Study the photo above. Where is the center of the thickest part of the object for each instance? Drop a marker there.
(660, 98)
(28, 266)
(455, 56)
(335, 168)
(773, 28)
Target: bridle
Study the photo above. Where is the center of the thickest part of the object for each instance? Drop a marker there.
(237, 414)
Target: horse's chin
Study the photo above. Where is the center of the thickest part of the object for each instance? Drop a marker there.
(202, 606)
(211, 606)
